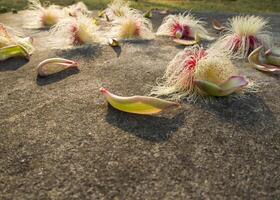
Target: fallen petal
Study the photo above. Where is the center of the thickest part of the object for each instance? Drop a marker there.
(55, 65)
(13, 51)
(217, 25)
(137, 104)
(272, 60)
(148, 14)
(233, 84)
(101, 13)
(254, 59)
(187, 42)
(114, 42)
(95, 22)
(27, 43)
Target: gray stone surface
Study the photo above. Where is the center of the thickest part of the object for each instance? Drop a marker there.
(60, 140)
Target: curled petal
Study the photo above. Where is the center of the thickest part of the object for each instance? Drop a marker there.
(55, 65)
(101, 13)
(137, 104)
(217, 25)
(114, 42)
(264, 64)
(95, 22)
(273, 60)
(148, 14)
(187, 42)
(107, 18)
(27, 43)
(231, 85)
(13, 51)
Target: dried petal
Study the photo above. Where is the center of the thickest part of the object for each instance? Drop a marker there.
(137, 104)
(217, 25)
(233, 84)
(55, 65)
(263, 64)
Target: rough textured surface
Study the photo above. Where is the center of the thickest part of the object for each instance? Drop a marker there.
(60, 140)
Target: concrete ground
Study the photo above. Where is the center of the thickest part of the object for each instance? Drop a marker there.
(60, 140)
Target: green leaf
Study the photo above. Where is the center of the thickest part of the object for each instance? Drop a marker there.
(137, 104)
(231, 85)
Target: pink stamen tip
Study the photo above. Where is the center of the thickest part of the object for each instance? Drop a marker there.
(268, 52)
(184, 29)
(138, 28)
(191, 63)
(103, 90)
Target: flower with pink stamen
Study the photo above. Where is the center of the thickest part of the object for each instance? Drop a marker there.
(131, 27)
(183, 26)
(39, 16)
(198, 72)
(243, 34)
(72, 31)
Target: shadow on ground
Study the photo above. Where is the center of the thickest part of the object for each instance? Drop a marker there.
(41, 81)
(152, 128)
(248, 112)
(85, 51)
(12, 64)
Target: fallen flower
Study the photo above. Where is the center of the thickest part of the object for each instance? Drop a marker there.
(119, 8)
(12, 45)
(137, 104)
(72, 31)
(131, 27)
(55, 65)
(197, 72)
(39, 16)
(76, 9)
(244, 34)
(183, 26)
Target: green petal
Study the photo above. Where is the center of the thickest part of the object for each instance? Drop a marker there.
(137, 104)
(148, 14)
(233, 84)
(114, 42)
(26, 43)
(13, 51)
(101, 13)
(272, 60)
(265, 63)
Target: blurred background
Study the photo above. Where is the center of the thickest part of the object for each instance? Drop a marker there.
(241, 6)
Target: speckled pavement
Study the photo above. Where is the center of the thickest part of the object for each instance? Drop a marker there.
(60, 140)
